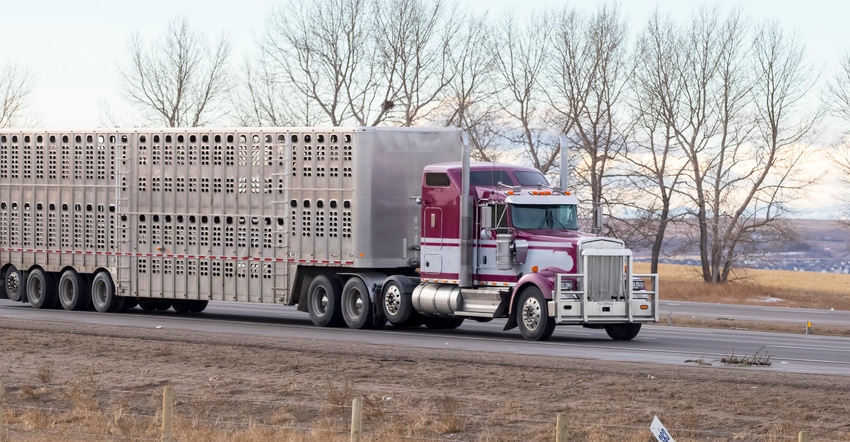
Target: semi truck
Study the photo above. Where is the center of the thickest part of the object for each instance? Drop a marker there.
(355, 226)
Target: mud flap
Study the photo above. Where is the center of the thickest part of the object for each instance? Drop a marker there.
(502, 310)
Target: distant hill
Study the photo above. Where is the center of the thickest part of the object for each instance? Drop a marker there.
(808, 245)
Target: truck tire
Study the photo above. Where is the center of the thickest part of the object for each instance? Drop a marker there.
(14, 283)
(181, 306)
(41, 289)
(324, 301)
(103, 295)
(357, 304)
(622, 332)
(197, 306)
(533, 315)
(73, 291)
(395, 300)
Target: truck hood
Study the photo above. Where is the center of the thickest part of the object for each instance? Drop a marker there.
(552, 235)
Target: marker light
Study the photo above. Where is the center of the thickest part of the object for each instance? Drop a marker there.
(534, 269)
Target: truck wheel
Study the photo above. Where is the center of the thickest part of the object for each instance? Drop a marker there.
(73, 291)
(14, 283)
(533, 316)
(103, 294)
(356, 304)
(622, 332)
(197, 306)
(324, 300)
(180, 306)
(443, 323)
(41, 289)
(130, 302)
(395, 300)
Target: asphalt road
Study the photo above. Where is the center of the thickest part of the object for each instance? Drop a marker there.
(655, 344)
(754, 313)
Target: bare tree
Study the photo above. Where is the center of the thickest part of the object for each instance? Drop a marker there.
(323, 55)
(592, 72)
(838, 101)
(655, 166)
(753, 183)
(15, 86)
(179, 80)
(736, 117)
(471, 94)
(263, 99)
(522, 53)
(415, 38)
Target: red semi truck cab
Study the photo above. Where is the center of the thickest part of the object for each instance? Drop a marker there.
(529, 260)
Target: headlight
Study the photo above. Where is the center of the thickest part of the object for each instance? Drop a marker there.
(638, 284)
(568, 285)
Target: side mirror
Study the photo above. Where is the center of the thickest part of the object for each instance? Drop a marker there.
(486, 217)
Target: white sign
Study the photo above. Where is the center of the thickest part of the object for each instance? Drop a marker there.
(659, 431)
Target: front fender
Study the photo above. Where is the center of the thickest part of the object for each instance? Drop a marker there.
(544, 280)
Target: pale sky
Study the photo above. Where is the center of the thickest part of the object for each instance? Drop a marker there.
(72, 47)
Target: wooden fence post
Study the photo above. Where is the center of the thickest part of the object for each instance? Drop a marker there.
(2, 397)
(804, 437)
(561, 428)
(356, 416)
(167, 410)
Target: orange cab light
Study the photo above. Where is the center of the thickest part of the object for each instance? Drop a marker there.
(534, 269)
(567, 192)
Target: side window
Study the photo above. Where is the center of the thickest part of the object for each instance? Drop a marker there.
(434, 179)
(500, 217)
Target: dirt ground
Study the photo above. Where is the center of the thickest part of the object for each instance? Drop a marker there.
(72, 382)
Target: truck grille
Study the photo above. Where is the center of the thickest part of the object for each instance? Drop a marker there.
(605, 274)
(605, 278)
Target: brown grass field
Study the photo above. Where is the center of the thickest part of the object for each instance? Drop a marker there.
(779, 288)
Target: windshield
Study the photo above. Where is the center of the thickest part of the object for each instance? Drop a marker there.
(530, 217)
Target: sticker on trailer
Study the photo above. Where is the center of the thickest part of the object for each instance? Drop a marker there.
(660, 431)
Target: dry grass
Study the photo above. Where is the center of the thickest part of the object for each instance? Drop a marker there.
(779, 327)
(755, 287)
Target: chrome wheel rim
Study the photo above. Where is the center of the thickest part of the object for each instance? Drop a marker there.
(392, 300)
(13, 281)
(531, 314)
